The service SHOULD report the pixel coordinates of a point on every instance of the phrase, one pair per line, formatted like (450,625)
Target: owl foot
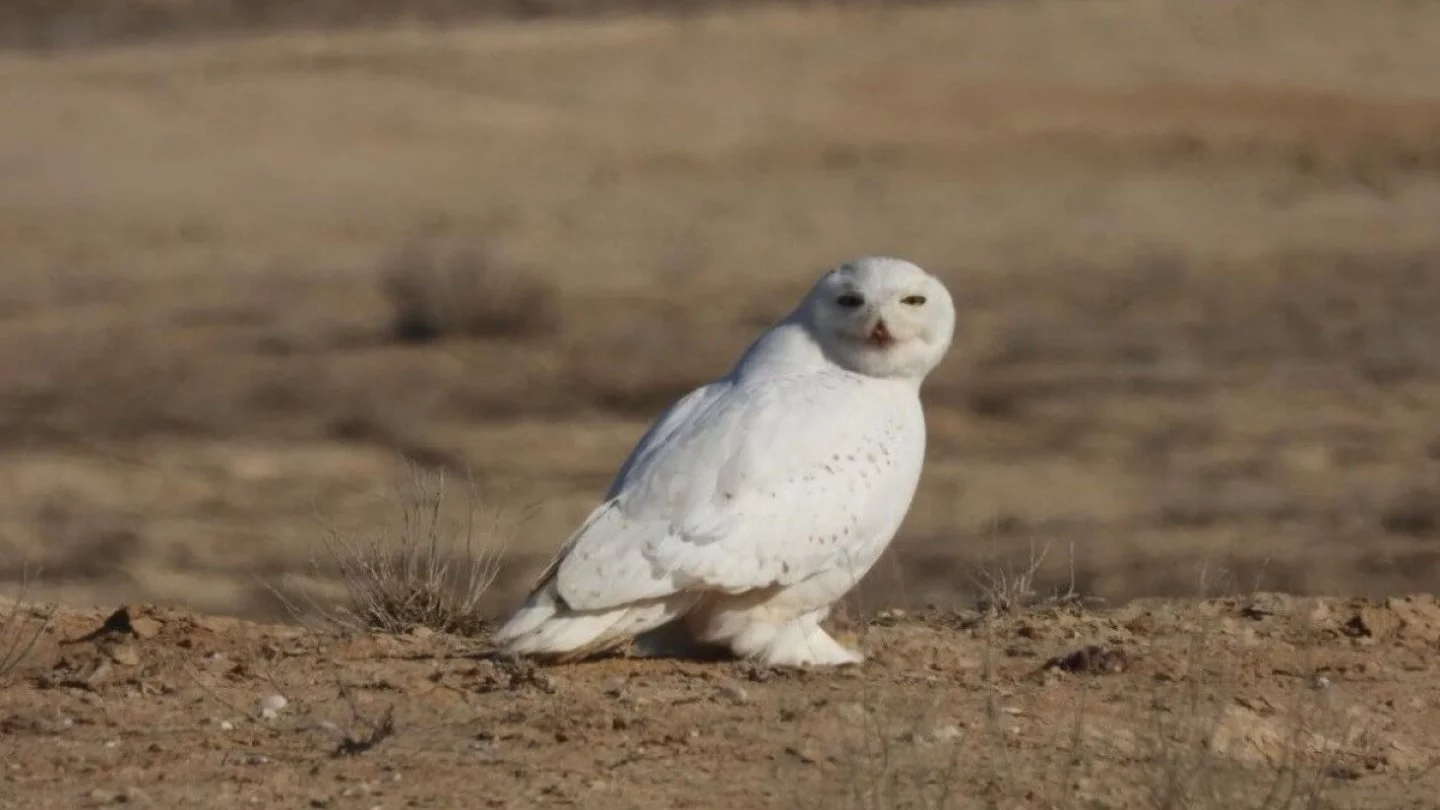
(802,644)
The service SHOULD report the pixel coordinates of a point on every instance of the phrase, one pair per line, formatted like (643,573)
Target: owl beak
(880,335)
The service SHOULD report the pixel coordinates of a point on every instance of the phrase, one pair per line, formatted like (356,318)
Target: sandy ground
(1193,246)
(1264,702)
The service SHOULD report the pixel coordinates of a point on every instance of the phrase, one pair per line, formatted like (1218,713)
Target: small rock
(274,703)
(226,725)
(801,754)
(1343,770)
(946,734)
(1320,612)
(733,692)
(212,624)
(938,734)
(99,674)
(1091,660)
(889,617)
(144,627)
(1406,757)
(1259,609)
(1373,622)
(128,620)
(125,655)
(759,674)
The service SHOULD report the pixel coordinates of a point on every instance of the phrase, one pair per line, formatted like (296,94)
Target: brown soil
(1268,701)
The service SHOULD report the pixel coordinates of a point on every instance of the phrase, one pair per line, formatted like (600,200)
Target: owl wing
(740,487)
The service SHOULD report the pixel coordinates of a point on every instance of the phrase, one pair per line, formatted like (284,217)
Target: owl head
(881,317)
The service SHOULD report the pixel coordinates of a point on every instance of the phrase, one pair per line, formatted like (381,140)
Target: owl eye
(850,300)
(913,300)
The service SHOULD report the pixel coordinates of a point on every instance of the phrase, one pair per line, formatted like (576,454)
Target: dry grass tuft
(433,574)
(1004,588)
(435,294)
(21,627)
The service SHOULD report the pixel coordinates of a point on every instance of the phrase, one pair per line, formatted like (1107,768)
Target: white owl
(758,500)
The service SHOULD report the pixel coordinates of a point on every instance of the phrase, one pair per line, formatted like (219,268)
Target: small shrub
(1414,513)
(435,295)
(433,574)
(1004,589)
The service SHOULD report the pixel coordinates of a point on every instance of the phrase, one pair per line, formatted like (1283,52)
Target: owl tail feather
(546,627)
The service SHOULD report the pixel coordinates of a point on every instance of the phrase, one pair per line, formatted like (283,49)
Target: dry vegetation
(21,626)
(431,573)
(464,294)
(247,279)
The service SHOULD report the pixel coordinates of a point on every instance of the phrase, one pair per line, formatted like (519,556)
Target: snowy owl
(760,499)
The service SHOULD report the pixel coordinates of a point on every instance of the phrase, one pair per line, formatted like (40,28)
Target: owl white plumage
(757,501)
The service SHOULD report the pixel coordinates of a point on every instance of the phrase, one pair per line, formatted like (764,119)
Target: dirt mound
(1214,704)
